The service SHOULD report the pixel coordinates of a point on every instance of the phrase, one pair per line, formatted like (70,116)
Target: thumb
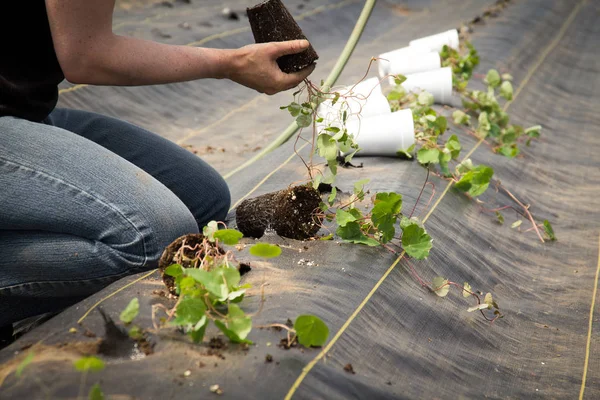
(289,47)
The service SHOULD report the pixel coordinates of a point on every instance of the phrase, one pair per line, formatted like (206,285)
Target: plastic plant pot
(436,42)
(438,82)
(384,135)
(366,99)
(407,60)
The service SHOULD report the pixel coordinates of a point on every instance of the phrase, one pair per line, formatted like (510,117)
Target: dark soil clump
(192,252)
(292,213)
(272,22)
(349,368)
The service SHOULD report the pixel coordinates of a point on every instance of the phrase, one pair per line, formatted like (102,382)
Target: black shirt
(29,70)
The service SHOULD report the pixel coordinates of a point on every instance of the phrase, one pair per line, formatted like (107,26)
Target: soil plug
(187,257)
(292,213)
(272,22)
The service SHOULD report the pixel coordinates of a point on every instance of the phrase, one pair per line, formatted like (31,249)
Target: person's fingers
(293,79)
(289,47)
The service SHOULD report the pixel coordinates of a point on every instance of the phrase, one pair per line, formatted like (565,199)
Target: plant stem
(526,211)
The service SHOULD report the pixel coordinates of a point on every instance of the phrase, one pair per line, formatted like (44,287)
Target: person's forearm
(125,61)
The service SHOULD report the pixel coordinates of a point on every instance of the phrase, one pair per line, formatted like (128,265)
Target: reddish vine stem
(526,211)
(420,194)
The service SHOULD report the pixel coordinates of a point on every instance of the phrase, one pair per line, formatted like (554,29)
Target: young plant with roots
(386,225)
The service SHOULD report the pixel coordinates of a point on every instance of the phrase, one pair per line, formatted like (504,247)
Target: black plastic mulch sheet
(401,340)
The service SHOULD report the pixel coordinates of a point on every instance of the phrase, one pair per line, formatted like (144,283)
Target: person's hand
(255,66)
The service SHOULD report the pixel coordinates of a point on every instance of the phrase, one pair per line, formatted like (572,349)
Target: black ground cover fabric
(402,341)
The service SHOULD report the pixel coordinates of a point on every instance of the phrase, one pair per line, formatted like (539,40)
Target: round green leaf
(90,363)
(311,331)
(228,236)
(440,286)
(265,250)
(131,311)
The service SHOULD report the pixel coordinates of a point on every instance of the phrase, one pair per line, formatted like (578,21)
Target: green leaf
(461,118)
(549,231)
(294,109)
(425,99)
(210,229)
(464,167)
(189,311)
(135,333)
(328,237)
(327,147)
(228,236)
(343,217)
(197,332)
(445,157)
(265,250)
(96,393)
(23,364)
(500,217)
(238,325)
(440,286)
(359,187)
(516,224)
(384,213)
(229,276)
(311,331)
(212,282)
(476,181)
(484,124)
(351,233)
(399,79)
(509,151)
(492,78)
(534,131)
(441,124)
(467,290)
(415,241)
(405,221)
(90,363)
(131,311)
(506,90)
(236,295)
(426,156)
(406,153)
(453,144)
(174,270)
(488,300)
(304,120)
(332,195)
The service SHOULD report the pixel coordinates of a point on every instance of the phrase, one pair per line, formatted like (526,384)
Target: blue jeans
(85,200)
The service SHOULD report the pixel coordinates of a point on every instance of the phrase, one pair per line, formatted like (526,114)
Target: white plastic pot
(438,82)
(407,60)
(436,42)
(384,135)
(365,100)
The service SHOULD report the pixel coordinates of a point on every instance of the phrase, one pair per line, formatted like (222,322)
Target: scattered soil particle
(89,333)
(348,368)
(269,358)
(272,22)
(289,323)
(284,344)
(216,343)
